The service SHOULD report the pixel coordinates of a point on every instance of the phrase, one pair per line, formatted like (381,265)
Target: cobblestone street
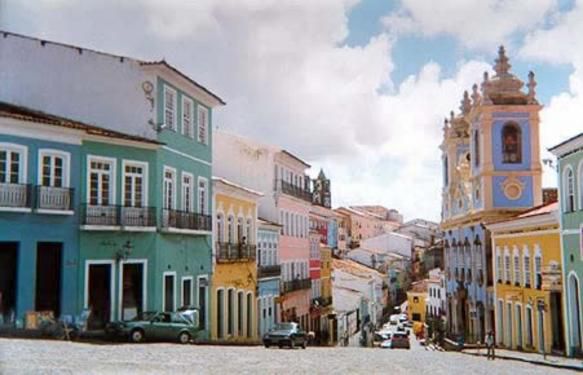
(38,356)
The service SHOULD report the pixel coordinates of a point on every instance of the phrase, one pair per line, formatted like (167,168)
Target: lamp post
(124,252)
(541,306)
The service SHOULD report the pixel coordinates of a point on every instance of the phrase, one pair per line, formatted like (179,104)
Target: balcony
(322,301)
(230,252)
(297,284)
(268,271)
(185,221)
(15,197)
(49,198)
(115,216)
(295,191)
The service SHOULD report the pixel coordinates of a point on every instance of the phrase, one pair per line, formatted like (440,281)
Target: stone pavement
(534,358)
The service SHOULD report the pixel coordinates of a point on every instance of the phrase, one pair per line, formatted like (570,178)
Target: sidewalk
(534,358)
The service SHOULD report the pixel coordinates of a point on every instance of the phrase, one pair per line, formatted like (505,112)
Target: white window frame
(205,181)
(192,286)
(199,111)
(527,270)
(144,165)
(66,156)
(507,266)
(173,125)
(537,255)
(112,179)
(23,151)
(580,183)
(164,197)
(567,185)
(516,266)
(208,307)
(164,274)
(88,264)
(183,194)
(187,129)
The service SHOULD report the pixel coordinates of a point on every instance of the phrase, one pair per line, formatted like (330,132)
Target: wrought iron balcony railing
(297,284)
(268,271)
(15,195)
(295,191)
(115,215)
(233,252)
(185,220)
(54,198)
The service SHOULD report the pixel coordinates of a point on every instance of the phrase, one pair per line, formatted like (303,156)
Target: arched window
(220,228)
(511,144)
(517,273)
(580,181)
(230,228)
(569,189)
(507,277)
(249,231)
(476,148)
(499,265)
(240,230)
(445,172)
(526,263)
(538,261)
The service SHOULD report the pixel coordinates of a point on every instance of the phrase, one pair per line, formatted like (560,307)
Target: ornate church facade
(491,170)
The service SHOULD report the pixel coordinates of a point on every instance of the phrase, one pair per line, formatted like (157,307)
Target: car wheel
(266,346)
(137,335)
(184,337)
(280,345)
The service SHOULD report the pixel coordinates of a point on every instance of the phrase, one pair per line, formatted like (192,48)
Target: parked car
(397,340)
(158,326)
(382,335)
(286,334)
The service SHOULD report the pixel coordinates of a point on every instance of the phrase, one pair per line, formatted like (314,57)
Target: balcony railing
(114,215)
(54,198)
(185,220)
(297,284)
(15,195)
(322,301)
(295,191)
(268,271)
(230,252)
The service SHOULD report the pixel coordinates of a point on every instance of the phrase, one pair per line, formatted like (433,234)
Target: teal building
(570,167)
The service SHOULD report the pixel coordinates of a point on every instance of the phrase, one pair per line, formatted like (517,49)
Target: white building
(389,243)
(436,300)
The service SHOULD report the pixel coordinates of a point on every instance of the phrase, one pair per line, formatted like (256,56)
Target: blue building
(268,274)
(491,170)
(40,166)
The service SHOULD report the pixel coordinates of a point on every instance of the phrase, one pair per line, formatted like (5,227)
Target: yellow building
(526,256)
(234,281)
(326,293)
(416,297)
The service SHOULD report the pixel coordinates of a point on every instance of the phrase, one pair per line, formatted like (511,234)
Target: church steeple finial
(475,95)
(502,66)
(531,95)
(465,104)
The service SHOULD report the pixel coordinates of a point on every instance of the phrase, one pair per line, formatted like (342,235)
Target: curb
(534,362)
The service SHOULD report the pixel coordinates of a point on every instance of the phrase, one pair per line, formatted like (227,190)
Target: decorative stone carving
(465,104)
(148,88)
(512,188)
(485,96)
(475,95)
(531,95)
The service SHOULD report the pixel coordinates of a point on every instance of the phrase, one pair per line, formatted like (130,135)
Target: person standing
(489,340)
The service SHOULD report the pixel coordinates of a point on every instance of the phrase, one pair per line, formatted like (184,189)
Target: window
(134,184)
(202,124)
(12,164)
(500,266)
(526,261)
(240,311)
(220,228)
(170,107)
(580,181)
(517,275)
(220,312)
(169,188)
(569,189)
(445,171)
(101,181)
(230,312)
(476,148)
(169,287)
(187,192)
(202,195)
(507,277)
(538,278)
(187,123)
(54,168)
(511,144)
(249,231)
(230,228)
(240,230)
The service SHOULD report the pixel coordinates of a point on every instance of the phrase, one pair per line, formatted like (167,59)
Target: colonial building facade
(491,170)
(570,168)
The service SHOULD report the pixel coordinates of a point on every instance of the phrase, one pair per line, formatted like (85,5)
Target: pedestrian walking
(489,340)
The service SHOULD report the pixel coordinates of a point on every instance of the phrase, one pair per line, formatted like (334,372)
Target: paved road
(58,357)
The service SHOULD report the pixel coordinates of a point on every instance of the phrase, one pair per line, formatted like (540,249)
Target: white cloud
(288,79)
(562,43)
(480,24)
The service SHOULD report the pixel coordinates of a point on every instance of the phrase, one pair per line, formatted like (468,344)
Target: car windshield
(284,327)
(147,315)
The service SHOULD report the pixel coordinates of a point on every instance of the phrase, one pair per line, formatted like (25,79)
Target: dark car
(181,326)
(399,340)
(286,334)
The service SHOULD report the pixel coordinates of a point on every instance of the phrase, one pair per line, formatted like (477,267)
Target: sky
(357,87)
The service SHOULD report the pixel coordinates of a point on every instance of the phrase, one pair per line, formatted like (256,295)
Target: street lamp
(124,252)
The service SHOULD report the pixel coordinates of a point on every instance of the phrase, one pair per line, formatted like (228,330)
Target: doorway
(48,277)
(99,294)
(132,299)
(8,266)
(574,306)
(169,291)
(557,322)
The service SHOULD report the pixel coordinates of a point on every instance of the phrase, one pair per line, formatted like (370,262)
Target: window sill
(16,209)
(193,232)
(102,228)
(54,212)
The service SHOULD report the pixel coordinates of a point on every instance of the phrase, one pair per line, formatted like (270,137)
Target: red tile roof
(28,114)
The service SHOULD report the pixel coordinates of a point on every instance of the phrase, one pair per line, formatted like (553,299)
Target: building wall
(30,228)
(523,295)
(416,306)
